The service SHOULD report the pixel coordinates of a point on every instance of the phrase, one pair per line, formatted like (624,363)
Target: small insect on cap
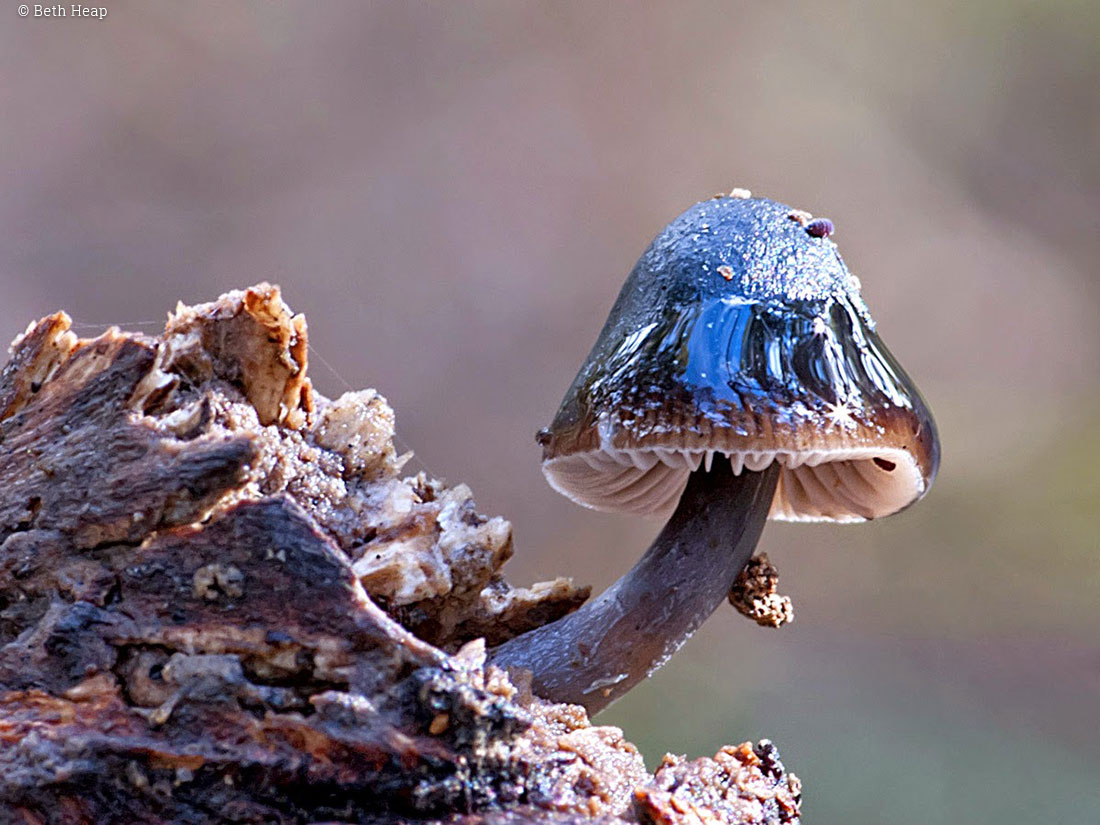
(741,336)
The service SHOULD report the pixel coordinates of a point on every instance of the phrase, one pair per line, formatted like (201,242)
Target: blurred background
(453,194)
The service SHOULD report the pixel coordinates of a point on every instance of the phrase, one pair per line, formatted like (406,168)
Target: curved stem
(593,656)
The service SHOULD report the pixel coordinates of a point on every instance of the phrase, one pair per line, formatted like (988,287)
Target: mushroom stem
(596,654)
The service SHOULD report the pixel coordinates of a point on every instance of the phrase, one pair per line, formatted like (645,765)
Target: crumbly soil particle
(740,784)
(754,594)
(221,601)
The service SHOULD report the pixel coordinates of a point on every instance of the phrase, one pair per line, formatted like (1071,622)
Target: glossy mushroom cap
(741,334)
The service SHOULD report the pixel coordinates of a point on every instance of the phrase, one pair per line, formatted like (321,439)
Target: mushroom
(739,377)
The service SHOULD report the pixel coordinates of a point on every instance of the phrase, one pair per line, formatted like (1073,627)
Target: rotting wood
(221,601)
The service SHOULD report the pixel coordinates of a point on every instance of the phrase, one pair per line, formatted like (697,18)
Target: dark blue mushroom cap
(742,335)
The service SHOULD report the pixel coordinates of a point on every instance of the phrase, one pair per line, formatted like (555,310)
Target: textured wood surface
(220,601)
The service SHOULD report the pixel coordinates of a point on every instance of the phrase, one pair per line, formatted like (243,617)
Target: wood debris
(220,601)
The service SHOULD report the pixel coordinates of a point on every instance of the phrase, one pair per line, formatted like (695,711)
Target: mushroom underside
(599,652)
(842,485)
